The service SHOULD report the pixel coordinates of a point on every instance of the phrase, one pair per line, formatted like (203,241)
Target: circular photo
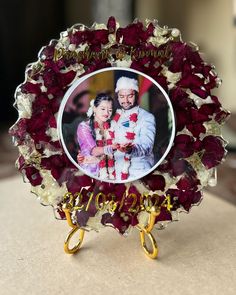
(116,124)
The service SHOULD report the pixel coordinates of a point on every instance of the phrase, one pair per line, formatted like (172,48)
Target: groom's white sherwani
(142,158)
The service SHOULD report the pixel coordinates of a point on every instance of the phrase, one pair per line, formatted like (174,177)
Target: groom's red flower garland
(130,136)
(183,74)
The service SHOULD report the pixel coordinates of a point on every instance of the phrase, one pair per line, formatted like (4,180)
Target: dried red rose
(213,147)
(154,182)
(33,175)
(111,25)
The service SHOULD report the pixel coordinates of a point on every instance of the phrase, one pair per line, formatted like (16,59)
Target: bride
(95,139)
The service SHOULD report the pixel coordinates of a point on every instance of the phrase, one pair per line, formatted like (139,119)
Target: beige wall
(209,23)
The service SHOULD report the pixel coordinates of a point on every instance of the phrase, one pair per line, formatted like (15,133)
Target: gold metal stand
(147,231)
(75,228)
(144,231)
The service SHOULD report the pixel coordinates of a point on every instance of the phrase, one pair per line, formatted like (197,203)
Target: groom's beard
(127,106)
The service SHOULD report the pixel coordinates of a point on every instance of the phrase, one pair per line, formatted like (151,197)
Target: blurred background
(27,25)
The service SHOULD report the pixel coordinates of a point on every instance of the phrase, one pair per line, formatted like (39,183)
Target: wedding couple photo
(117,125)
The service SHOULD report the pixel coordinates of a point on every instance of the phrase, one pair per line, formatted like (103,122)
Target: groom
(134,132)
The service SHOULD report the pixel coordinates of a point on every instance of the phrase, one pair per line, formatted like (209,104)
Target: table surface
(197,254)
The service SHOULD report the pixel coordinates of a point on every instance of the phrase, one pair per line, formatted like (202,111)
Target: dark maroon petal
(221,116)
(116,221)
(37,125)
(185,198)
(183,146)
(199,116)
(59,213)
(179,97)
(164,215)
(52,122)
(178,167)
(200,92)
(50,78)
(51,66)
(80,37)
(20,162)
(208,109)
(82,218)
(48,51)
(33,176)
(134,220)
(163,82)
(215,100)
(150,29)
(99,37)
(111,25)
(58,165)
(40,103)
(196,197)
(132,35)
(183,138)
(212,83)
(165,167)
(133,190)
(75,183)
(155,182)
(29,87)
(19,131)
(66,78)
(182,119)
(191,81)
(197,145)
(106,219)
(214,151)
(187,183)
(40,136)
(54,145)
(178,54)
(196,129)
(193,56)
(56,91)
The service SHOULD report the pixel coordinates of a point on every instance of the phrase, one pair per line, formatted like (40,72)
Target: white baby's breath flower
(170,76)
(197,99)
(126,62)
(143,218)
(49,192)
(52,132)
(112,38)
(159,40)
(24,105)
(48,153)
(43,88)
(97,26)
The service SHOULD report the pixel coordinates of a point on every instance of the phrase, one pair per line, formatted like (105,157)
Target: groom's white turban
(126,83)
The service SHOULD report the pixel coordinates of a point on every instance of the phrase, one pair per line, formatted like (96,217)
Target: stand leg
(147,231)
(152,254)
(75,228)
(76,248)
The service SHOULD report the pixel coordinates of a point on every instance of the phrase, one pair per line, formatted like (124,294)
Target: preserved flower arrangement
(176,184)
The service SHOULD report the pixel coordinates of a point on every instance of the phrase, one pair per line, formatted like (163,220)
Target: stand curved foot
(76,248)
(146,230)
(150,253)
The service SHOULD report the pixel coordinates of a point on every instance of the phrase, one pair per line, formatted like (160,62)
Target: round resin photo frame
(148,124)
(54,148)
